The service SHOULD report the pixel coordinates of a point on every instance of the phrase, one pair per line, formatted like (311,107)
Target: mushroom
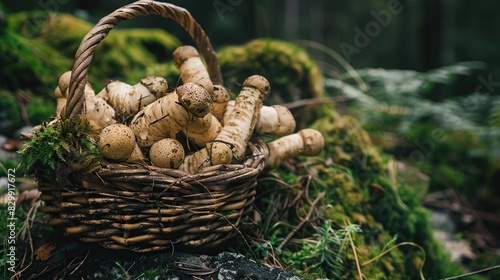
(96,108)
(276,120)
(167,153)
(136,155)
(307,142)
(130,99)
(61,91)
(116,142)
(169,114)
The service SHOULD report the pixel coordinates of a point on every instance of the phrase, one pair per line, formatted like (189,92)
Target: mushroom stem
(168,115)
(307,142)
(128,99)
(276,120)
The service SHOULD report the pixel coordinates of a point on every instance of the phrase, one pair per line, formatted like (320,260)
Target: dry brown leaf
(43,252)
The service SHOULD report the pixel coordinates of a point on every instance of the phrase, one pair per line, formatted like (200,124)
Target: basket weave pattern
(141,207)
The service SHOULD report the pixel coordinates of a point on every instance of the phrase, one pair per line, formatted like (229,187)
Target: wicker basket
(144,208)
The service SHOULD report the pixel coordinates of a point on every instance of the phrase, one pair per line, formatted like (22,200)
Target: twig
(22,98)
(358,267)
(472,273)
(80,264)
(303,221)
(274,262)
(194,270)
(463,200)
(486,216)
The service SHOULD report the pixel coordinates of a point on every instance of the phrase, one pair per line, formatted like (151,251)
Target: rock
(100,263)
(224,266)
(25,129)
(443,221)
(6,122)
(3,184)
(5,154)
(460,250)
(233,266)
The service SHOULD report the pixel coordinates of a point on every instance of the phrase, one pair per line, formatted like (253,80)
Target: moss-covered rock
(27,65)
(119,56)
(289,68)
(360,207)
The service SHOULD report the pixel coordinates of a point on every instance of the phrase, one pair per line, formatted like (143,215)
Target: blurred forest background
(422,77)
(422,35)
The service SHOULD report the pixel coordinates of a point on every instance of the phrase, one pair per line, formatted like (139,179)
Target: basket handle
(85,52)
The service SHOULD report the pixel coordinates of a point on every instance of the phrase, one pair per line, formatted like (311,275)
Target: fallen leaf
(43,252)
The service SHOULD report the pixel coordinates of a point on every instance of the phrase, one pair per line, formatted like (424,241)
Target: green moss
(154,272)
(393,239)
(60,150)
(119,56)
(306,275)
(29,65)
(390,211)
(291,71)
(62,31)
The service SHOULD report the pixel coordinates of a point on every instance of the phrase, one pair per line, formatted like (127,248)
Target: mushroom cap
(220,153)
(313,141)
(195,99)
(58,93)
(220,94)
(167,153)
(260,83)
(116,142)
(158,86)
(182,53)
